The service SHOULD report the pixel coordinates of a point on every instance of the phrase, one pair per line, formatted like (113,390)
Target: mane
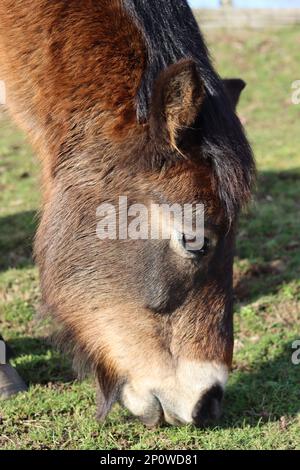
(171,33)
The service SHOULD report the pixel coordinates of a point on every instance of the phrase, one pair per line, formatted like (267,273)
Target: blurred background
(246,13)
(246,3)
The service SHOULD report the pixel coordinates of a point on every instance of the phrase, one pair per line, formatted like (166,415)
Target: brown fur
(94,75)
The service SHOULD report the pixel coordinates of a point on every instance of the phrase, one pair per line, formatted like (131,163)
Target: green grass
(263,397)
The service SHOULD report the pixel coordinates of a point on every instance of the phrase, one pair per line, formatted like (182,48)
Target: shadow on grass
(38,362)
(264,394)
(269,237)
(16,238)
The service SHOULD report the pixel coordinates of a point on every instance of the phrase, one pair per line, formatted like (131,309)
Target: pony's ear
(176,101)
(234,88)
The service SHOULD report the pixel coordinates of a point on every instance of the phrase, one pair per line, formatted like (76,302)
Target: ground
(263,398)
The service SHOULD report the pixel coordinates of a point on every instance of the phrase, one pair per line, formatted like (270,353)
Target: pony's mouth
(206,411)
(181,399)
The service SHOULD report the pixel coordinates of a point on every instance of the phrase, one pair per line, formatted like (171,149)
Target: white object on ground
(10,382)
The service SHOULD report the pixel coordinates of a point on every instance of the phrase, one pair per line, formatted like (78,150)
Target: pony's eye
(191,246)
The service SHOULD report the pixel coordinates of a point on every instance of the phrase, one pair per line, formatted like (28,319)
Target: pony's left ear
(176,101)
(234,88)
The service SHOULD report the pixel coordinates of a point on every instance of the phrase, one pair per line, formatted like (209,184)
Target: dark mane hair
(171,33)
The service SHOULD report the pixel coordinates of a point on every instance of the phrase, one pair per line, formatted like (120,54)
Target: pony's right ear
(234,88)
(176,102)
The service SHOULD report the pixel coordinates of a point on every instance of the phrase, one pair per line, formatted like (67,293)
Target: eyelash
(201,252)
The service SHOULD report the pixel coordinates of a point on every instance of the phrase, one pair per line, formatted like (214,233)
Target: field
(263,397)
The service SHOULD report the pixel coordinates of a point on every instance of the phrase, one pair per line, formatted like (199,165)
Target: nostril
(208,408)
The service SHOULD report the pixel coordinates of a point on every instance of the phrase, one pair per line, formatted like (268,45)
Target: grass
(263,397)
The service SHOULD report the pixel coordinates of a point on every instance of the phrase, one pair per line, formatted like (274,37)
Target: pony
(120,98)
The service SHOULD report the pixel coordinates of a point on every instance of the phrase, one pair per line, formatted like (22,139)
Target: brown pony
(119,98)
